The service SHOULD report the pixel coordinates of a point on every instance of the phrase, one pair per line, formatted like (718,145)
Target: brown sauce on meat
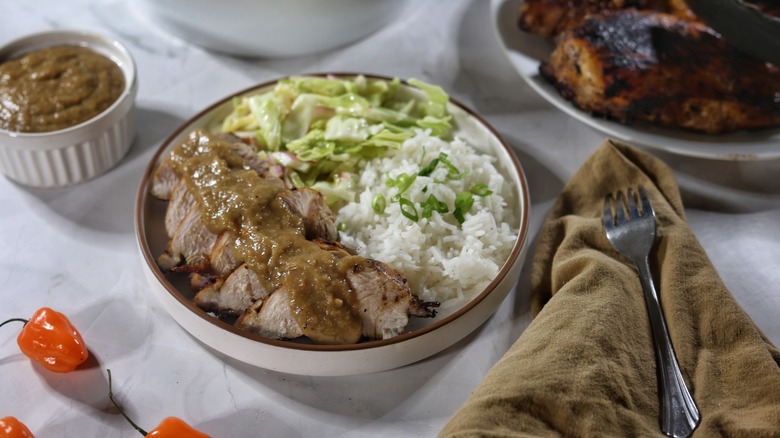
(56,88)
(271,240)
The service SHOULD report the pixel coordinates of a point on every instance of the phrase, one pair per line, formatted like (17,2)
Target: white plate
(525,51)
(425,336)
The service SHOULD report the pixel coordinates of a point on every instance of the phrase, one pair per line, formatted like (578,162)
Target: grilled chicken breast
(319,222)
(272,318)
(549,18)
(229,288)
(233,296)
(384,303)
(646,66)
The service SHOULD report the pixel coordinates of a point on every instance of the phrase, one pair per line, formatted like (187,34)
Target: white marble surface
(74,249)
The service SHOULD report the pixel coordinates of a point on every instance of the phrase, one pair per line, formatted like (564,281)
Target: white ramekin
(80,152)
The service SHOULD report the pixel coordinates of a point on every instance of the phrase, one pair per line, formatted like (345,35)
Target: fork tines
(626,204)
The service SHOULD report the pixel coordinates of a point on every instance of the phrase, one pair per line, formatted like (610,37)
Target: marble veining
(74,249)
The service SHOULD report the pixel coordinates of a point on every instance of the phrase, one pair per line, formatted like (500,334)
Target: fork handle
(679,414)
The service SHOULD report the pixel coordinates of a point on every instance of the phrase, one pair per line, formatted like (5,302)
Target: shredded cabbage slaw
(319,128)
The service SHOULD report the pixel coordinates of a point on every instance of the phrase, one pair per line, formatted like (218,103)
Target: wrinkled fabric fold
(585,366)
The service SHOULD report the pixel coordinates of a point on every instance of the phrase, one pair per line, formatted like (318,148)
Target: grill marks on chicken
(384,299)
(273,285)
(651,67)
(653,61)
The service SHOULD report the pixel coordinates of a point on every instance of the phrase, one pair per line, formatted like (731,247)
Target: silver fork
(633,235)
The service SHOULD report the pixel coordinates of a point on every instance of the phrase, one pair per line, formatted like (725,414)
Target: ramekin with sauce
(82,122)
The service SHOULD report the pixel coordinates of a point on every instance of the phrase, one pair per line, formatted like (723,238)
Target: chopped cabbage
(319,128)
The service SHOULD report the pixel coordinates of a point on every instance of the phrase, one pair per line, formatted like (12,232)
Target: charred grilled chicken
(645,66)
(548,18)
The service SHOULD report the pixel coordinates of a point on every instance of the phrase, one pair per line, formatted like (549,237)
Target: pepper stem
(14,320)
(121,411)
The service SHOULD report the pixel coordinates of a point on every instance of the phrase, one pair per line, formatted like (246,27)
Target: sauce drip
(271,237)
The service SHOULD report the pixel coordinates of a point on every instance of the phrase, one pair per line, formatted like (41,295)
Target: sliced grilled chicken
(272,317)
(644,66)
(223,262)
(384,298)
(252,161)
(240,291)
(164,180)
(228,288)
(333,247)
(377,286)
(191,237)
(318,219)
(181,202)
(191,243)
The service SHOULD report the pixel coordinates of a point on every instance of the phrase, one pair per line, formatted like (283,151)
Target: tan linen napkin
(585,366)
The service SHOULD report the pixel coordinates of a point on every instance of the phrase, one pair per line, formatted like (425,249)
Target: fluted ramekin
(80,152)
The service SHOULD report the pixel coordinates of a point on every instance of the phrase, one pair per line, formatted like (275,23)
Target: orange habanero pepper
(173,427)
(50,339)
(10,427)
(170,427)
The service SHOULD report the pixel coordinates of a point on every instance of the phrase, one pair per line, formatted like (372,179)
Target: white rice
(442,259)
